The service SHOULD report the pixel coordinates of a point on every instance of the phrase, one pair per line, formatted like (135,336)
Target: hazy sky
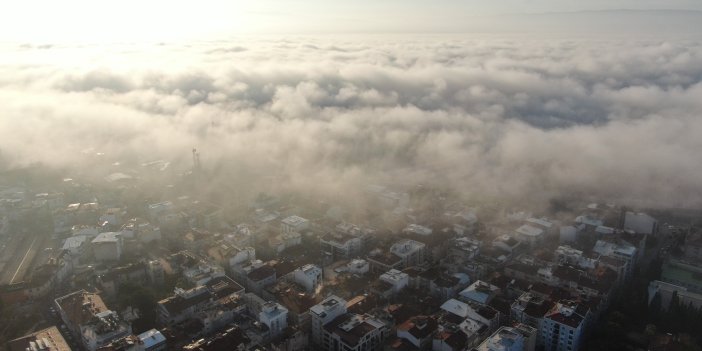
(132,20)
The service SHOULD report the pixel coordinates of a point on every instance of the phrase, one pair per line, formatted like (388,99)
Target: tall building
(563,326)
(323,313)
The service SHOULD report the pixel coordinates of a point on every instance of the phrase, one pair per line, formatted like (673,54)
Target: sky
(161,20)
(521,101)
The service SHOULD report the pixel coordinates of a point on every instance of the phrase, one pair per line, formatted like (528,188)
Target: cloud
(515,120)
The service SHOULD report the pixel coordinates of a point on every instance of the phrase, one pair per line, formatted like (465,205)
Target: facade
(411,252)
(323,313)
(309,276)
(294,224)
(340,245)
(275,316)
(563,326)
(45,339)
(353,332)
(504,339)
(397,279)
(153,340)
(107,246)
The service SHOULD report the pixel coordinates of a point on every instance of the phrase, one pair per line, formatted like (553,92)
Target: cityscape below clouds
(351,176)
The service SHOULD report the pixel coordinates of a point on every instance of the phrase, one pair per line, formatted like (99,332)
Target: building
(323,313)
(530,235)
(340,245)
(418,331)
(183,304)
(309,276)
(411,252)
(107,246)
(665,292)
(294,224)
(86,316)
(563,327)
(480,292)
(621,250)
(357,266)
(153,340)
(397,279)
(504,339)
(640,223)
(275,316)
(683,274)
(417,230)
(353,332)
(49,339)
(259,276)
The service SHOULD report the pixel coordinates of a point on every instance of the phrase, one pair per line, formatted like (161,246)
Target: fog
(508,118)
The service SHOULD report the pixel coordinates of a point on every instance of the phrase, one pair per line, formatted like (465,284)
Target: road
(17,257)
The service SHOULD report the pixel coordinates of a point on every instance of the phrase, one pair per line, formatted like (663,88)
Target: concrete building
(357,266)
(563,327)
(411,252)
(294,224)
(397,279)
(640,223)
(275,316)
(480,292)
(340,245)
(417,230)
(153,340)
(665,292)
(504,339)
(530,235)
(353,332)
(309,276)
(49,339)
(323,313)
(183,304)
(86,316)
(107,246)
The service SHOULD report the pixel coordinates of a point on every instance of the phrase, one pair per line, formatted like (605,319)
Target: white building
(410,251)
(353,332)
(640,223)
(504,339)
(358,266)
(418,230)
(339,244)
(309,276)
(153,340)
(75,245)
(621,250)
(107,246)
(530,235)
(480,292)
(397,279)
(321,314)
(294,224)
(563,327)
(275,316)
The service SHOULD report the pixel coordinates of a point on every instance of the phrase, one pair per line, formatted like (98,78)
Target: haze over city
(305,118)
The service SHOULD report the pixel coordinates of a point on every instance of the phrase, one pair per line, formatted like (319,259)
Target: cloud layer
(512,119)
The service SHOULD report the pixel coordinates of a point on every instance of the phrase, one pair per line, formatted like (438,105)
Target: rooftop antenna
(196,160)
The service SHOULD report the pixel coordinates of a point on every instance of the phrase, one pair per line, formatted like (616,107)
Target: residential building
(323,313)
(353,332)
(480,292)
(340,245)
(49,339)
(153,340)
(275,316)
(294,224)
(640,223)
(309,276)
(504,339)
(107,246)
(563,327)
(418,331)
(411,252)
(183,304)
(397,279)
